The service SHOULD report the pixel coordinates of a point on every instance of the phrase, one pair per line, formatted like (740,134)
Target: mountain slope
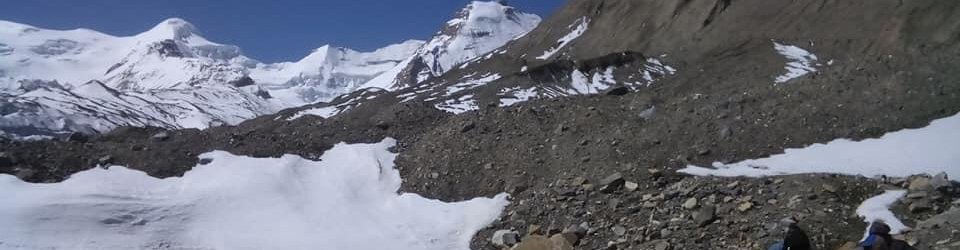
(475,30)
(173,63)
(611,92)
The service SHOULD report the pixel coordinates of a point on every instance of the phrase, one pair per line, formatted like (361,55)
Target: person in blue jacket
(795,238)
(879,238)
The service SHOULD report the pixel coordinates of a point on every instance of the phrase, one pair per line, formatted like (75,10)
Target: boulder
(612,183)
(746,206)
(920,184)
(920,206)
(534,242)
(705,216)
(469,126)
(504,238)
(162,136)
(630,186)
(690,203)
(617,91)
(560,242)
(78,137)
(940,181)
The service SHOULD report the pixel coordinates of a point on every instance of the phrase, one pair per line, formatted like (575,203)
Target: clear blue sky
(268,30)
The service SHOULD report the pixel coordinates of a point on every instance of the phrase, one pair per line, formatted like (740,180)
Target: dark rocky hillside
(882,66)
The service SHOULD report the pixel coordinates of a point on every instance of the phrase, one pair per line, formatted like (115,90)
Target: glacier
(347,200)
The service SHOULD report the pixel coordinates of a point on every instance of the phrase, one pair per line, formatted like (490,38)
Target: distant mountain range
(54,82)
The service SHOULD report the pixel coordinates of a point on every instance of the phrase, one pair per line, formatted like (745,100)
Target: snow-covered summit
(477,29)
(173,68)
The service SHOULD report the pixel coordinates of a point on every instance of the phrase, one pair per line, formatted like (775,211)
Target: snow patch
(472,83)
(516,95)
(929,150)
(347,200)
(877,208)
(581,26)
(583,85)
(459,105)
(325,112)
(799,62)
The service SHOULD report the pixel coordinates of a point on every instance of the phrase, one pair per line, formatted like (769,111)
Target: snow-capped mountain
(329,72)
(171,76)
(476,30)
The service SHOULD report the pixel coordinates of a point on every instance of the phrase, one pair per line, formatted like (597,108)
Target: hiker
(795,239)
(879,238)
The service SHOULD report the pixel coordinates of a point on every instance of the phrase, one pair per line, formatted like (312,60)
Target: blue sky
(271,31)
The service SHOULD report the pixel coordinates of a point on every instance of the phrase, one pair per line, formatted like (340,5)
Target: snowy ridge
(238,202)
(577,30)
(454,97)
(169,76)
(329,72)
(94,107)
(478,29)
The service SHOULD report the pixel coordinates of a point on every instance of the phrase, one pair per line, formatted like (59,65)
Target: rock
(504,238)
(940,181)
(617,91)
(6,160)
(917,195)
(570,237)
(612,183)
(690,203)
(578,181)
(743,207)
(534,229)
(705,216)
(383,125)
(24,174)
(665,233)
(920,206)
(205,161)
(78,137)
(661,245)
(560,242)
(105,160)
(631,186)
(920,184)
(619,231)
(434,175)
(830,188)
(162,136)
(469,126)
(578,230)
(534,242)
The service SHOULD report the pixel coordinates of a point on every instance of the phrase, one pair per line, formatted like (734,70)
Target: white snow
(878,208)
(325,112)
(476,31)
(582,85)
(471,83)
(581,27)
(347,200)
(517,95)
(929,150)
(799,62)
(459,105)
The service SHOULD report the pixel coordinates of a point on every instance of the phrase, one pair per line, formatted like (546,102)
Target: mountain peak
(173,28)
